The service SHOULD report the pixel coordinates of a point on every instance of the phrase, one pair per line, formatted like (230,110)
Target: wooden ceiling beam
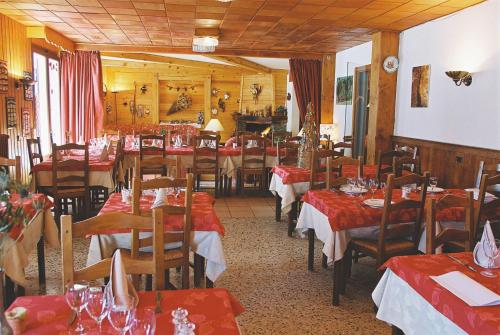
(166,60)
(243,63)
(189,51)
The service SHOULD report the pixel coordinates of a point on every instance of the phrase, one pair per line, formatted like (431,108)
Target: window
(47,100)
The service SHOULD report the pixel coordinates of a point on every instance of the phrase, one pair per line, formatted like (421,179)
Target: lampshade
(214,125)
(329,129)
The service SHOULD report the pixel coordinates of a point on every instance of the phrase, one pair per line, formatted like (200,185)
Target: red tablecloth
(94,163)
(213,311)
(292,174)
(188,150)
(416,271)
(347,212)
(203,214)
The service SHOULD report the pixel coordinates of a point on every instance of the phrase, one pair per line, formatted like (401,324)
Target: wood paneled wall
(15,48)
(455,165)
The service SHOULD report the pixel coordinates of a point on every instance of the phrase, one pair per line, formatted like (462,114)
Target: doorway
(360,110)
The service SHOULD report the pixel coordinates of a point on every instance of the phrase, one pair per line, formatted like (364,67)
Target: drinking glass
(76,295)
(382,187)
(121,315)
(98,305)
(361,183)
(433,181)
(492,252)
(351,182)
(145,322)
(373,184)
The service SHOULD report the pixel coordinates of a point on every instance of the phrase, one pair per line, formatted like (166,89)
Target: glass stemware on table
(145,322)
(122,314)
(373,185)
(492,252)
(98,304)
(76,296)
(433,181)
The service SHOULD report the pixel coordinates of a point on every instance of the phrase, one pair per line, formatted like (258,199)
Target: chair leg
(291,217)
(277,216)
(396,331)
(149,282)
(310,254)
(324,261)
(41,261)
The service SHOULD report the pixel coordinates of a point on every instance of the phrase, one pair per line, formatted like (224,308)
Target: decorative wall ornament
(420,86)
(10,107)
(214,111)
(184,101)
(344,90)
(256,90)
(201,118)
(215,92)
(4,78)
(222,105)
(28,84)
(26,120)
(227,96)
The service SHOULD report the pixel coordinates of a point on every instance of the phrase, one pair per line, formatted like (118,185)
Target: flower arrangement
(12,216)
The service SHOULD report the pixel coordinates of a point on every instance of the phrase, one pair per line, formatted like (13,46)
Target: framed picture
(26,119)
(344,90)
(4,77)
(10,108)
(420,86)
(28,89)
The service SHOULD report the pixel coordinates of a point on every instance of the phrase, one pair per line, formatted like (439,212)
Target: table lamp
(214,125)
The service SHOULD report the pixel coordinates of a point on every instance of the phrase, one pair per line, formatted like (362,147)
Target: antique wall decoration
(201,118)
(344,90)
(26,120)
(28,84)
(256,90)
(227,96)
(10,107)
(184,101)
(222,105)
(215,92)
(4,78)
(420,86)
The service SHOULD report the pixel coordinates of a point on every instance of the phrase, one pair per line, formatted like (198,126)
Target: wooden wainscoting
(454,165)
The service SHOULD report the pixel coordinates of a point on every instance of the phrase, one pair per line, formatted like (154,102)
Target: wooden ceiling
(248,27)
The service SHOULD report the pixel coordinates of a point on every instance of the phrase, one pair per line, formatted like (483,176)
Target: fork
(158,309)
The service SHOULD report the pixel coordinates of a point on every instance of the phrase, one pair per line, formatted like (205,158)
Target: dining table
(408,298)
(207,231)
(333,216)
(213,311)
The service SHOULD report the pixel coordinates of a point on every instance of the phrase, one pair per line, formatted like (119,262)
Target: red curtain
(81,94)
(306,77)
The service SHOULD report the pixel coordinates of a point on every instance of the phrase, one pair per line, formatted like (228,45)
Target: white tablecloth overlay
(400,305)
(287,192)
(17,253)
(205,243)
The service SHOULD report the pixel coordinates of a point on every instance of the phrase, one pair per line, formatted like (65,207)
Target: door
(360,109)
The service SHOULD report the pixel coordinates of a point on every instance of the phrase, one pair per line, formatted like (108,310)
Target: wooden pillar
(327,87)
(382,95)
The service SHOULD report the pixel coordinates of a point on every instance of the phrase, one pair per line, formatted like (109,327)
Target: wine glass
(382,187)
(121,315)
(433,181)
(76,295)
(351,182)
(145,322)
(373,184)
(99,303)
(492,252)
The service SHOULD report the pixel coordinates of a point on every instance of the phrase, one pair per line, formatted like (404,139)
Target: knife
(158,309)
(461,263)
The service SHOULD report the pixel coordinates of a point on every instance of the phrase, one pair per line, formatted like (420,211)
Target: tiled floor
(245,207)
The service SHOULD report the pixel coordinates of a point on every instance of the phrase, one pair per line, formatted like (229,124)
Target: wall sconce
(144,89)
(24,82)
(460,77)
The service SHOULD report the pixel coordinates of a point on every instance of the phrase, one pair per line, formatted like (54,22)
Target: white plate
(353,190)
(375,203)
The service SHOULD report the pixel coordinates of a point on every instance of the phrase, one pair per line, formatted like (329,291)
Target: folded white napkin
(202,144)
(252,144)
(126,193)
(104,155)
(119,284)
(161,193)
(467,289)
(485,247)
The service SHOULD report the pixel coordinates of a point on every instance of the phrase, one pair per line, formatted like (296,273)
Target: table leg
(324,261)
(337,280)
(278,208)
(209,283)
(41,261)
(197,270)
(9,291)
(310,254)
(396,331)
(292,215)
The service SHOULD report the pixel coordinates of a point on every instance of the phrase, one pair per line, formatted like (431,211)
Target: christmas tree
(310,140)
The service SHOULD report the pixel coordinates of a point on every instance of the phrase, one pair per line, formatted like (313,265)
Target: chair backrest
(489,168)
(164,163)
(206,153)
(240,134)
(318,168)
(253,157)
(80,177)
(409,151)
(339,162)
(396,230)
(287,152)
(406,163)
(151,145)
(112,222)
(15,163)
(486,208)
(385,163)
(35,157)
(280,136)
(447,235)
(339,148)
(209,132)
(331,180)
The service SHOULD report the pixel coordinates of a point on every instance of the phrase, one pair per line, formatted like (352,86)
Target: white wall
(468,40)
(345,64)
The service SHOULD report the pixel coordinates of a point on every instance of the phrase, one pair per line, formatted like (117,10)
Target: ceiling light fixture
(205,39)
(460,77)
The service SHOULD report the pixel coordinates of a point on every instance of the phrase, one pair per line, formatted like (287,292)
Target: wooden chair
(168,164)
(15,163)
(153,265)
(409,151)
(395,238)
(118,166)
(74,185)
(489,209)
(339,148)
(148,146)
(240,134)
(279,136)
(406,163)
(486,168)
(206,159)
(209,133)
(287,153)
(178,257)
(385,162)
(450,238)
(318,168)
(253,162)
(339,162)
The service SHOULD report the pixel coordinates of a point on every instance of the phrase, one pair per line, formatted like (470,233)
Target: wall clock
(391,64)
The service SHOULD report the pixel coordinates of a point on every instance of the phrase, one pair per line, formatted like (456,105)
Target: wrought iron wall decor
(28,86)
(4,78)
(10,107)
